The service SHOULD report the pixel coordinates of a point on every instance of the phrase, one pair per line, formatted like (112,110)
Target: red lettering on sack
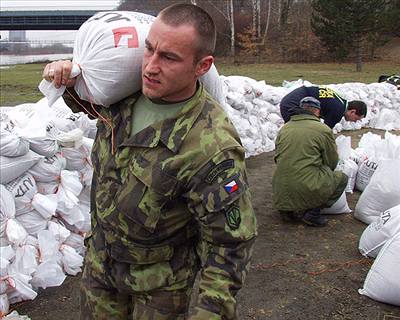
(130,32)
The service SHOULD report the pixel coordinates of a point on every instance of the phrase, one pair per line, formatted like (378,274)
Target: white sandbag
(18,287)
(76,241)
(109,49)
(365,172)
(10,229)
(16,316)
(7,253)
(378,232)
(213,85)
(26,259)
(11,144)
(343,147)
(48,274)
(61,234)
(78,158)
(68,190)
(48,169)
(340,206)
(4,305)
(71,260)
(32,221)
(66,120)
(381,193)
(383,281)
(23,189)
(12,168)
(46,146)
(350,169)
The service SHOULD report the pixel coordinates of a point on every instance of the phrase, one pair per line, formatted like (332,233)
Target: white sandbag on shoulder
(365,172)
(378,232)
(381,193)
(12,168)
(383,281)
(109,50)
(340,206)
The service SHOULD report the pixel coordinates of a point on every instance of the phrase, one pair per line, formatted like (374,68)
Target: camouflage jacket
(178,178)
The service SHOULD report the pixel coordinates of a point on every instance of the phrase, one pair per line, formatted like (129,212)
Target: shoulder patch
(218,169)
(233,217)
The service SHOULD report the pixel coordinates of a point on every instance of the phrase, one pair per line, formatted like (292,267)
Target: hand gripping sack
(109,50)
(383,281)
(378,232)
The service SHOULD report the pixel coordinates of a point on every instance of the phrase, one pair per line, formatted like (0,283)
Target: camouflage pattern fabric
(171,200)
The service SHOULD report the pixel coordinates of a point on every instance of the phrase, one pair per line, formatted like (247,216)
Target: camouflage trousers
(116,290)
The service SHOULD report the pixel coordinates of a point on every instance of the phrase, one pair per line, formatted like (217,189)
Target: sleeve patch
(218,169)
(233,217)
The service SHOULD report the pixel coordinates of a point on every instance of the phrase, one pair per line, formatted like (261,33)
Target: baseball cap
(310,101)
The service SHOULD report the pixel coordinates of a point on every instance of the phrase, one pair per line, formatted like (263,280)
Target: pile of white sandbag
(379,205)
(45,174)
(381,239)
(253,107)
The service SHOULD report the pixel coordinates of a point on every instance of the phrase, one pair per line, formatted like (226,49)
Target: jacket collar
(304,116)
(171,132)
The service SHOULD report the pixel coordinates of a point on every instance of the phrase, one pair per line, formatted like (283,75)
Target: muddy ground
(298,272)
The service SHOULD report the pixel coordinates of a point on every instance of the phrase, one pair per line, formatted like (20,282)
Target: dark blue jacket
(333,106)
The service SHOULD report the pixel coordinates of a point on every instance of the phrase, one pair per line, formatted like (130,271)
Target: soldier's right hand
(59,72)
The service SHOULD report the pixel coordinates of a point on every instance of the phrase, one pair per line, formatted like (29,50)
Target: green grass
(318,73)
(18,84)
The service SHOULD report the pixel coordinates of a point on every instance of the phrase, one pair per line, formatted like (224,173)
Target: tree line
(295,30)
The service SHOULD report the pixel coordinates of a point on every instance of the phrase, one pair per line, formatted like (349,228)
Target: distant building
(17,36)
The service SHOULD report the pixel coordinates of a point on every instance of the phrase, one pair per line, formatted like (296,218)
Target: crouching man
(306,156)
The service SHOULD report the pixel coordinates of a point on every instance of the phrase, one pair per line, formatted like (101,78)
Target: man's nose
(152,64)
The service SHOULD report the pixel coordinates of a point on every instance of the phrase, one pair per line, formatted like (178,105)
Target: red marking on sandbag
(133,41)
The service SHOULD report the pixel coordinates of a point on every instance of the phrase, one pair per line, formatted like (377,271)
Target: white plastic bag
(378,232)
(381,193)
(383,281)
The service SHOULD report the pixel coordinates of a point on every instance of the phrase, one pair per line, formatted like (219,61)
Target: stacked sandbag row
(253,107)
(374,168)
(44,197)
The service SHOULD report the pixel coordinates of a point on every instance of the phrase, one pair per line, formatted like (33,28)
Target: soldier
(169,191)
(306,156)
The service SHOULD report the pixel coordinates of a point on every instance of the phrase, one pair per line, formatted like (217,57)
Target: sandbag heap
(45,174)
(253,107)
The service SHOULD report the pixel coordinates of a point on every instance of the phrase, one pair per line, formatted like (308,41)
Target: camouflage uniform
(171,200)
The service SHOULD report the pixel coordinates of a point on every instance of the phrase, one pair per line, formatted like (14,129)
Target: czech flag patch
(231,187)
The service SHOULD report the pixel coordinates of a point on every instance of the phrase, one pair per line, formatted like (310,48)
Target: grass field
(18,84)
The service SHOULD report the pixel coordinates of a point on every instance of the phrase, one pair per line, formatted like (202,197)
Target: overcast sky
(19,5)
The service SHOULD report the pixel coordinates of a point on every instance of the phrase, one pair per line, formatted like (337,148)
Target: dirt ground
(298,272)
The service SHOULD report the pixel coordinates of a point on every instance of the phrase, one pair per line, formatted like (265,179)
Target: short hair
(359,106)
(189,14)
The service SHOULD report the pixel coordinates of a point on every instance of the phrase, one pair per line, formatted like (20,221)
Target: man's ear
(204,65)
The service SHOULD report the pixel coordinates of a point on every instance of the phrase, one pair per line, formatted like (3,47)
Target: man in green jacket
(169,192)
(306,157)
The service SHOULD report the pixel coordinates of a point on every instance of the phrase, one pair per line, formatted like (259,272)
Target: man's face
(169,71)
(351,115)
